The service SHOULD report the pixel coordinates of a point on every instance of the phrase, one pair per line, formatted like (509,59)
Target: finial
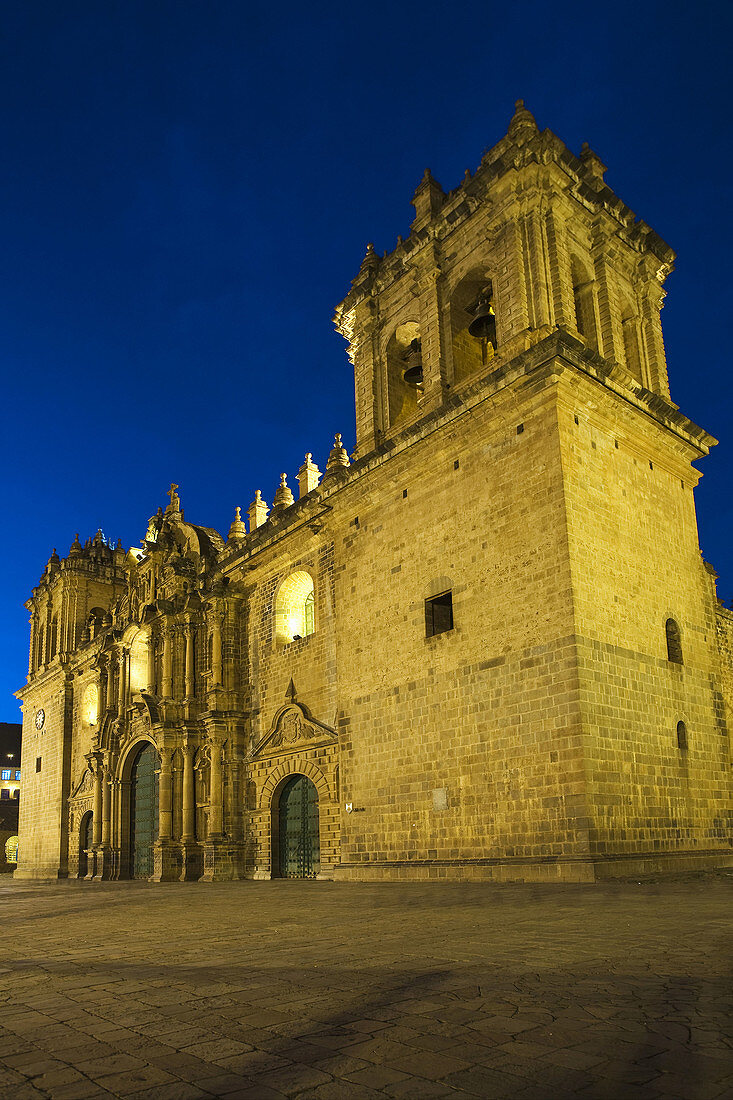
(283,497)
(237,529)
(522,126)
(257,511)
(308,476)
(290,693)
(338,458)
(76,545)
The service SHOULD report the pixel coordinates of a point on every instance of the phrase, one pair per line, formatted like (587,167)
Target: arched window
(674,642)
(53,637)
(295,608)
(682,737)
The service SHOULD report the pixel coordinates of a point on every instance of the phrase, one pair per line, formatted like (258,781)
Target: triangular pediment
(293,728)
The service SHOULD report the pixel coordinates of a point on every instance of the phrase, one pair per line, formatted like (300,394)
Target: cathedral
(484,645)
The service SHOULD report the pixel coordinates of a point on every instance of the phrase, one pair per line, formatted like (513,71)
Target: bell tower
(533,241)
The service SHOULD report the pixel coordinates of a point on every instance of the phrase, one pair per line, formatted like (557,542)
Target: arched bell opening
(296,849)
(584,300)
(86,841)
(473,325)
(404,372)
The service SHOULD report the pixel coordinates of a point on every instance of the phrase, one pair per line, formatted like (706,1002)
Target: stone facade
(487,642)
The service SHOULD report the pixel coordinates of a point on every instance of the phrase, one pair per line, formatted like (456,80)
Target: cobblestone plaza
(319,989)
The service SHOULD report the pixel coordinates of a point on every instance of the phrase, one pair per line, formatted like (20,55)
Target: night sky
(188,189)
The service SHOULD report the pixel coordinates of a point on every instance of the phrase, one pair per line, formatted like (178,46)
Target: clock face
(40,719)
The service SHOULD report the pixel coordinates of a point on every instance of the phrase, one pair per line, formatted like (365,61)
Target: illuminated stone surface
(545,483)
(322,990)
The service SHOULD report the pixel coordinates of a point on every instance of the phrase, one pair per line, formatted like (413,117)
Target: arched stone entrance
(295,825)
(143,811)
(86,840)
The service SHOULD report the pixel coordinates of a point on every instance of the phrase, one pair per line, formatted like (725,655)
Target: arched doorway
(86,840)
(143,811)
(299,846)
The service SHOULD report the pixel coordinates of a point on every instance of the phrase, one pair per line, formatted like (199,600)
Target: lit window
(5,773)
(438,614)
(17,777)
(295,608)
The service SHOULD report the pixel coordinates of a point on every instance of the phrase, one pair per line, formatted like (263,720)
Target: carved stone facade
(451,656)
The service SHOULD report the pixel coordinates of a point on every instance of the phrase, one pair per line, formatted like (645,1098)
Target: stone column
(165,802)
(166,686)
(106,804)
(97,803)
(122,685)
(215,794)
(151,663)
(189,664)
(216,662)
(189,808)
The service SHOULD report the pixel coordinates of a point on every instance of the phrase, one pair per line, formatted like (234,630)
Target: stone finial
(257,512)
(592,163)
(283,497)
(238,529)
(427,200)
(371,259)
(308,476)
(53,562)
(291,694)
(338,458)
(175,502)
(522,126)
(75,547)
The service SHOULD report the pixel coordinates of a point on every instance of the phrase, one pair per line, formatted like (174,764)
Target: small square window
(457,464)
(438,614)
(38,763)
(5,793)
(404,493)
(17,776)
(520,429)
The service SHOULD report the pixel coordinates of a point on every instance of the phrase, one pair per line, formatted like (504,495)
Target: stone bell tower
(533,241)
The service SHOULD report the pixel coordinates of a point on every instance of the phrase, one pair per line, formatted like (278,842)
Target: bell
(483,326)
(413,358)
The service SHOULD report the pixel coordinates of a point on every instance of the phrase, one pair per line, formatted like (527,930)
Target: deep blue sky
(187,189)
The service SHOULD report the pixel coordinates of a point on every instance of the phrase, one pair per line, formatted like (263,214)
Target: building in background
(9,792)
(484,646)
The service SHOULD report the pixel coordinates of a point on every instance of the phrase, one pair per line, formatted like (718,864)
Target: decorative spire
(308,476)
(75,547)
(523,125)
(427,200)
(283,497)
(257,512)
(338,458)
(592,163)
(175,504)
(238,529)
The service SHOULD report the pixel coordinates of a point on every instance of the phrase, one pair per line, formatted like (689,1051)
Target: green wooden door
(86,838)
(299,842)
(143,812)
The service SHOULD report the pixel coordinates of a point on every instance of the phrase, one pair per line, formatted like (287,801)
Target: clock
(40,718)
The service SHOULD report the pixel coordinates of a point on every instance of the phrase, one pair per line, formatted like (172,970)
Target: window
(17,777)
(682,737)
(295,608)
(674,642)
(5,773)
(5,793)
(438,614)
(38,763)
(16,793)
